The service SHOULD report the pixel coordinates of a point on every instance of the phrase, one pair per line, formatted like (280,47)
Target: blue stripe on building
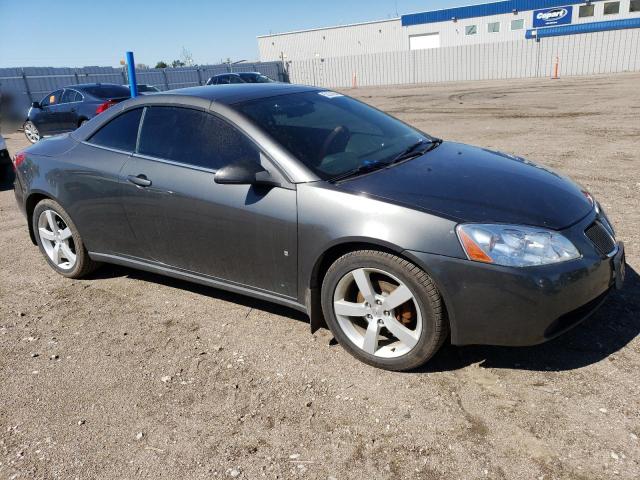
(583,28)
(483,10)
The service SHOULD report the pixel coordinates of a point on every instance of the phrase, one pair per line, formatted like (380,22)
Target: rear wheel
(59,240)
(383,310)
(31,131)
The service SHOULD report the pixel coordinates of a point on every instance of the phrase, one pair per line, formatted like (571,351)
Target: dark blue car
(66,109)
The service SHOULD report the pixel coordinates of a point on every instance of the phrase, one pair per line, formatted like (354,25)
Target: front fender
(328,217)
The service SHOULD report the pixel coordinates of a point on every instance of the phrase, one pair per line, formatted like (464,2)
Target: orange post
(555,69)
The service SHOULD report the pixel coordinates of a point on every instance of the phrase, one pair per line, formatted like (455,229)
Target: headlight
(514,245)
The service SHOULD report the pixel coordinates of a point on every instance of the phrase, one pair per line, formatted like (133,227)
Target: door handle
(140,180)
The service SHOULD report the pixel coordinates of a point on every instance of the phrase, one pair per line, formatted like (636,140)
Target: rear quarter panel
(85,181)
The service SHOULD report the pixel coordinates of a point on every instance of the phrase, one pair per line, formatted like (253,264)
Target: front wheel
(31,131)
(59,240)
(383,310)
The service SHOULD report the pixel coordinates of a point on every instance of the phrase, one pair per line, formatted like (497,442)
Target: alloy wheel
(57,240)
(31,132)
(377,312)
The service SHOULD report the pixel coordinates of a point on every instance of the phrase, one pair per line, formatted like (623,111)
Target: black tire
(82,122)
(435,328)
(84,265)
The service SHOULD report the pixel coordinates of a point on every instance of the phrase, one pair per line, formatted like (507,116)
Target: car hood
(470,184)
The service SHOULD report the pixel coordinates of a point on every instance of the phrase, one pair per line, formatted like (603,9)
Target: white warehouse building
(503,21)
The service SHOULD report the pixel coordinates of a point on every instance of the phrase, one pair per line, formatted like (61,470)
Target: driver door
(46,118)
(243,234)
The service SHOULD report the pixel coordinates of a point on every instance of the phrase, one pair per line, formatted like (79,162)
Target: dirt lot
(129,374)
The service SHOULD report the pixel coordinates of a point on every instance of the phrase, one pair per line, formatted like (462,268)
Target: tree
(161,64)
(186,57)
(177,63)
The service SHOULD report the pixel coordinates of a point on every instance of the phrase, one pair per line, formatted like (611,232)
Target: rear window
(107,91)
(121,133)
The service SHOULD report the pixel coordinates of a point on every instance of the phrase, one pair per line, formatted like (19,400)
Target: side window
(51,99)
(69,96)
(193,137)
(120,133)
(235,79)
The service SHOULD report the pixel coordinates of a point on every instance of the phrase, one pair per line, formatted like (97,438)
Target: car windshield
(107,91)
(330,133)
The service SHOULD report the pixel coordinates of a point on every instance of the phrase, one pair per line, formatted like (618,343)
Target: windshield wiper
(409,152)
(366,168)
(413,151)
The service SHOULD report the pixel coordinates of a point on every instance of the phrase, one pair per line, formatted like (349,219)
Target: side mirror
(35,105)
(244,173)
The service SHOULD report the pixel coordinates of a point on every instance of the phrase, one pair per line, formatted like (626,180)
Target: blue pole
(131,69)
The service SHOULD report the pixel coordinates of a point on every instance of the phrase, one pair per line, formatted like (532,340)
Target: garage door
(422,42)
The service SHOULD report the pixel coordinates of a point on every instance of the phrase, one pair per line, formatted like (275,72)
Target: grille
(602,239)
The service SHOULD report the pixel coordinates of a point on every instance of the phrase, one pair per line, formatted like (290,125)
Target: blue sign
(550,17)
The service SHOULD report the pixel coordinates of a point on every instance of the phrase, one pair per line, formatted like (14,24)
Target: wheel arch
(335,251)
(32,200)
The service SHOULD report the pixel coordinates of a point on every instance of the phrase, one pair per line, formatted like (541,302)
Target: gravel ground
(129,374)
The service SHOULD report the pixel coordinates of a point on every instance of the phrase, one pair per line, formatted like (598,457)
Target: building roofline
(482,10)
(445,14)
(395,19)
(471,5)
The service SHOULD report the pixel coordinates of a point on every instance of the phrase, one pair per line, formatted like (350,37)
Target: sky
(75,33)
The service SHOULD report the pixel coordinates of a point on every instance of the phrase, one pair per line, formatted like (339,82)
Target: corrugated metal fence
(585,54)
(26,85)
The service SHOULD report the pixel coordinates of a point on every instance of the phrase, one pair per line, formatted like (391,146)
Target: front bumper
(495,305)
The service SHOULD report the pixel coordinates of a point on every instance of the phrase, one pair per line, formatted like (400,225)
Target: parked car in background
(314,200)
(225,79)
(255,77)
(144,88)
(67,108)
(240,77)
(6,167)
